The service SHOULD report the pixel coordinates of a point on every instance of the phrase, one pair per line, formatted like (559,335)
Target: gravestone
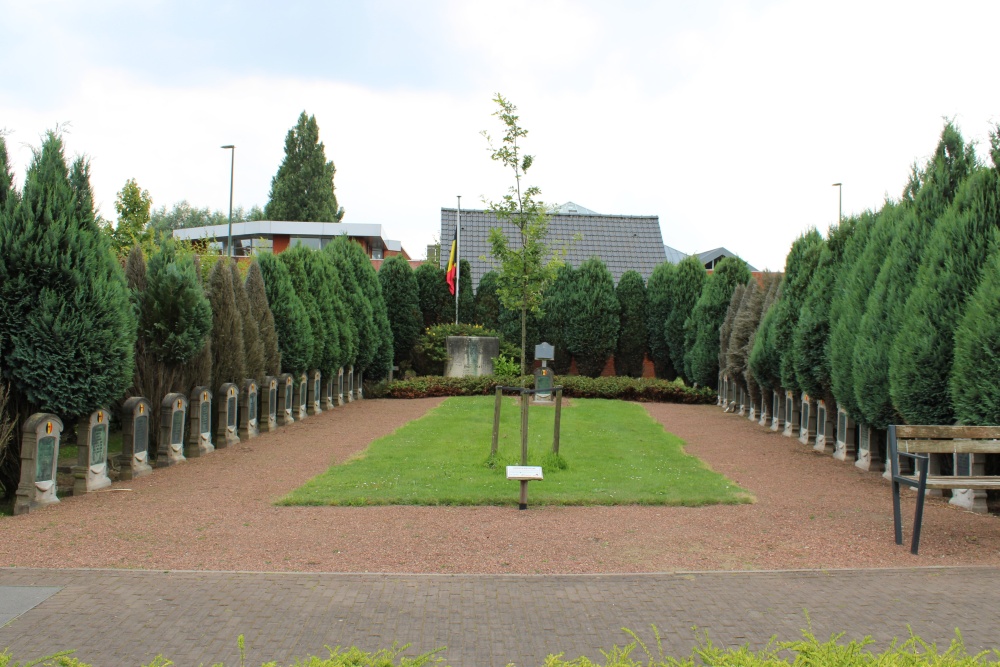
(543,385)
(777,410)
(39,459)
(721,393)
(329,400)
(91,470)
(248,419)
(134,459)
(751,408)
(269,411)
(173,414)
(764,414)
(471,355)
(359,385)
(340,386)
(807,420)
(286,414)
(314,393)
(199,440)
(965,465)
(227,416)
(792,407)
(742,402)
(349,394)
(302,397)
(846,447)
(824,429)
(868,449)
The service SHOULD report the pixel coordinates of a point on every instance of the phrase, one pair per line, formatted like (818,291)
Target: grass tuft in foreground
(611,453)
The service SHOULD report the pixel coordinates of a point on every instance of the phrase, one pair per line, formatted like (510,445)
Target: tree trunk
(524,338)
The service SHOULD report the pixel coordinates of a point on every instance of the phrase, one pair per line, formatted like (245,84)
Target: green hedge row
(574,386)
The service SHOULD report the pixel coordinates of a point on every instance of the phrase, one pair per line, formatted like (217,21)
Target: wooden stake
(496,422)
(555,433)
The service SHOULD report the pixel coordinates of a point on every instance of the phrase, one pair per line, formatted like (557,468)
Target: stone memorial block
(723,391)
(792,408)
(349,380)
(359,385)
(764,414)
(314,394)
(91,470)
(846,447)
(39,459)
(269,411)
(966,465)
(286,415)
(329,400)
(249,422)
(227,416)
(807,420)
(471,355)
(868,448)
(543,385)
(751,409)
(777,410)
(340,387)
(173,414)
(134,459)
(199,440)
(742,402)
(302,397)
(824,429)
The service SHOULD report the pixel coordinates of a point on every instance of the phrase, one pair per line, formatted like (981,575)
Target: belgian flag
(451,274)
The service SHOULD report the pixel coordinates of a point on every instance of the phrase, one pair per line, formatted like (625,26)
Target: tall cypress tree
(707,317)
(436,302)
(291,321)
(975,392)
(593,334)
(402,299)
(342,329)
(364,335)
(228,356)
(466,299)
(297,260)
(683,291)
(253,349)
(921,359)
(744,331)
(764,361)
(263,319)
(8,193)
(659,308)
(726,330)
(800,266)
(558,307)
(633,337)
(487,302)
(303,190)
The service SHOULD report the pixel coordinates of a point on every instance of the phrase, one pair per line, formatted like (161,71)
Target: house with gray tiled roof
(709,258)
(622,242)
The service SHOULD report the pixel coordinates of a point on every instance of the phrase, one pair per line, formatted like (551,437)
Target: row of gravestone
(241,413)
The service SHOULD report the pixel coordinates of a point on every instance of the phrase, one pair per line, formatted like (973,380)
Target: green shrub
(707,317)
(658,310)
(683,291)
(593,331)
(487,303)
(437,304)
(633,338)
(558,307)
(800,267)
(291,321)
(402,300)
(975,389)
(430,353)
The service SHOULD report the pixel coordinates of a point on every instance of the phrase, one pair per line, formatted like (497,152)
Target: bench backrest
(947,439)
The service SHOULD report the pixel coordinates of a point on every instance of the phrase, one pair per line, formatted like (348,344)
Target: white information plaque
(524,472)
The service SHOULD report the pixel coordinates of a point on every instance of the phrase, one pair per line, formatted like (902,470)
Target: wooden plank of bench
(948,446)
(983,432)
(958,482)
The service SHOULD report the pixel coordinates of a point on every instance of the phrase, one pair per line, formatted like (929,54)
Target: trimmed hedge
(645,390)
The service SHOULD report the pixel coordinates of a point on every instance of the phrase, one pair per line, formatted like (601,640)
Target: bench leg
(919,515)
(897,518)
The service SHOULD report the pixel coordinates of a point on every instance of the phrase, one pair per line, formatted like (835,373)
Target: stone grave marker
(134,459)
(340,386)
(543,385)
(173,413)
(329,402)
(269,411)
(199,441)
(846,446)
(302,397)
(314,394)
(227,416)
(777,410)
(868,447)
(39,458)
(742,402)
(359,385)
(792,408)
(824,429)
(807,420)
(286,415)
(764,414)
(966,465)
(91,470)
(350,383)
(249,424)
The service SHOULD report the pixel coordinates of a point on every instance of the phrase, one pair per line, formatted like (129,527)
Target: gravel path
(216,513)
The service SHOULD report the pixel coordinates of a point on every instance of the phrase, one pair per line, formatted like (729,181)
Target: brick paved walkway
(125,617)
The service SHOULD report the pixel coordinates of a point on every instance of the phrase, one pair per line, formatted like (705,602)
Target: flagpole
(458,255)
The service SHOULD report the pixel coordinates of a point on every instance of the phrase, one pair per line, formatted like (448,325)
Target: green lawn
(611,453)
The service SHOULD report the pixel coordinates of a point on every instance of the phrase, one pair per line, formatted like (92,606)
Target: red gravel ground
(216,513)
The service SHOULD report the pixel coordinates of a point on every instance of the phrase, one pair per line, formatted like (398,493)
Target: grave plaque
(134,459)
(752,408)
(350,383)
(868,449)
(824,429)
(543,385)
(764,415)
(227,416)
(269,413)
(340,387)
(39,458)
(743,403)
(286,415)
(302,397)
(91,470)
(329,402)
(199,441)
(807,420)
(791,414)
(777,410)
(359,385)
(966,465)
(248,411)
(173,411)
(313,406)
(846,446)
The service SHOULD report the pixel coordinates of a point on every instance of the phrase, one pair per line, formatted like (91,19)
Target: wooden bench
(918,443)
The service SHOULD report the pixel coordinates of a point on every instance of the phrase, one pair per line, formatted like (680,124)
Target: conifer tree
(658,294)
(297,261)
(558,309)
(706,319)
(253,349)
(263,319)
(764,361)
(8,193)
(487,302)
(975,391)
(291,321)
(363,331)
(921,358)
(800,266)
(726,329)
(402,300)
(466,299)
(343,332)
(684,290)
(633,337)
(436,302)
(509,326)
(952,162)
(79,180)
(228,356)
(744,331)
(810,338)
(303,190)
(197,371)
(378,365)
(593,333)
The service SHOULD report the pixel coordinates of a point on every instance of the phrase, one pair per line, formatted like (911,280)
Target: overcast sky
(728,120)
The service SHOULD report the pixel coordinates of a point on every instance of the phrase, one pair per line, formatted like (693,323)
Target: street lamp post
(232,165)
(840,202)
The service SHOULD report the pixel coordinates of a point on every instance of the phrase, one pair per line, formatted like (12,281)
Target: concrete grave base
(91,470)
(471,355)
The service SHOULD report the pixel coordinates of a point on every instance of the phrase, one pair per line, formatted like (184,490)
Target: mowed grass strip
(611,453)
